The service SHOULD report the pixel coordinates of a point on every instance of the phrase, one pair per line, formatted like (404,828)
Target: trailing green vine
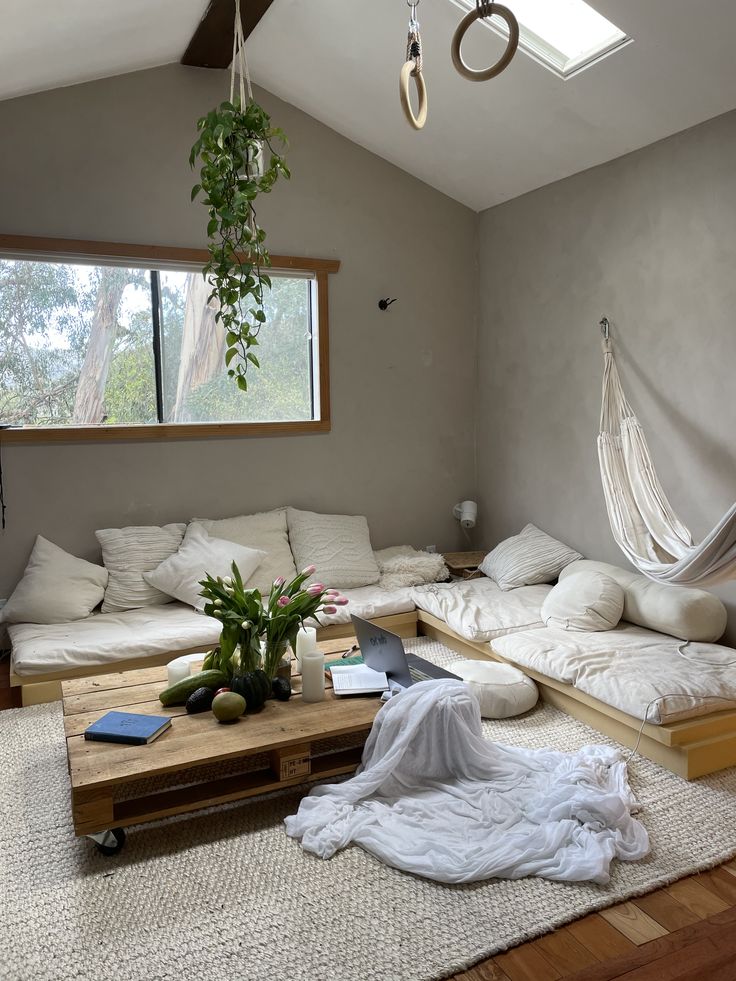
(231,148)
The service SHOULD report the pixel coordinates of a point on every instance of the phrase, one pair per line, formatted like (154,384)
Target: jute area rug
(224,894)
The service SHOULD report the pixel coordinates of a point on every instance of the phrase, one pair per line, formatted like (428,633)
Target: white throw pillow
(56,587)
(127,554)
(586,601)
(501,689)
(338,544)
(179,576)
(268,533)
(527,559)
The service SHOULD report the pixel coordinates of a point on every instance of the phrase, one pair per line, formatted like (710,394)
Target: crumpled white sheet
(434,797)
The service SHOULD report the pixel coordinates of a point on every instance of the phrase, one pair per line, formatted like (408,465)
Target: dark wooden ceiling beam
(211,45)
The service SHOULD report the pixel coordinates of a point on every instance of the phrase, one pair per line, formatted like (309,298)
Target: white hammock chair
(643,523)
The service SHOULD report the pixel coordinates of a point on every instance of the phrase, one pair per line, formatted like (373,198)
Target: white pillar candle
(313,676)
(178,670)
(306,640)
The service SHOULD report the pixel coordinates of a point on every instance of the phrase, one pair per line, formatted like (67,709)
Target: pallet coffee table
(283,734)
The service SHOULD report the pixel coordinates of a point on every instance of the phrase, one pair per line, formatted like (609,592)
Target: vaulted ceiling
(339,61)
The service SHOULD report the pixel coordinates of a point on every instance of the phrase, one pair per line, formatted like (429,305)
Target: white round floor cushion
(501,689)
(585,601)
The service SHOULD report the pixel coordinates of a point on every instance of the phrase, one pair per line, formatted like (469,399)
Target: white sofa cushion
(584,601)
(528,558)
(127,554)
(266,532)
(199,555)
(691,614)
(107,638)
(478,609)
(369,602)
(404,565)
(339,545)
(56,587)
(636,670)
(501,689)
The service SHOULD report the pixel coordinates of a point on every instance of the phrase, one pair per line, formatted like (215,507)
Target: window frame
(39,249)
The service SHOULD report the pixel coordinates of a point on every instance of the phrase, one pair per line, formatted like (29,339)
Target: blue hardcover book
(127,727)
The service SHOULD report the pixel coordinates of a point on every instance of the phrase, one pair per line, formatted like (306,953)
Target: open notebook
(357,679)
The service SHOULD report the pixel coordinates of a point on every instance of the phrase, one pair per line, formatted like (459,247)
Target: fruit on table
(281,688)
(178,694)
(200,701)
(255,687)
(221,690)
(228,706)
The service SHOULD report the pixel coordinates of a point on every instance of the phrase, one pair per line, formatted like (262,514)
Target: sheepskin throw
(404,565)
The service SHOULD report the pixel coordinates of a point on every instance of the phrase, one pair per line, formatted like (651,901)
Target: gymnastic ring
(409,71)
(503,61)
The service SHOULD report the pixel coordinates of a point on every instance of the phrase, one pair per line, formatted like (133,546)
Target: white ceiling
(339,61)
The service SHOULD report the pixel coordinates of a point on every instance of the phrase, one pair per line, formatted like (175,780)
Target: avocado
(281,688)
(200,701)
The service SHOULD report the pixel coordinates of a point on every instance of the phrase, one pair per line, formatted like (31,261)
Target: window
(566,36)
(132,348)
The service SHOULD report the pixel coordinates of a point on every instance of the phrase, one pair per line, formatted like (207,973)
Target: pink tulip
(309,571)
(318,585)
(283,601)
(314,590)
(341,601)
(329,609)
(279,582)
(332,592)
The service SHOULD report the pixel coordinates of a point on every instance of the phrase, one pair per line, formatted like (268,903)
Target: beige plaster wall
(649,240)
(108,160)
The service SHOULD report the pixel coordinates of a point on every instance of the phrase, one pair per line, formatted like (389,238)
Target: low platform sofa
(656,676)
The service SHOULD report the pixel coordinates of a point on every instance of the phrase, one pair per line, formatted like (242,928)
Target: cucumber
(180,692)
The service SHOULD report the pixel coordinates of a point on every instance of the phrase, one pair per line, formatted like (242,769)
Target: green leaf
(253,359)
(242,383)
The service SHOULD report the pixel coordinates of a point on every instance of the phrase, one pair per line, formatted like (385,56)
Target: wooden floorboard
(685,932)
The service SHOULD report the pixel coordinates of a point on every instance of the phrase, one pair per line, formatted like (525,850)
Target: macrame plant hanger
(412,68)
(239,65)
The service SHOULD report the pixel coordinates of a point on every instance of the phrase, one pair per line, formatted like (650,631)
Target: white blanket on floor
(436,798)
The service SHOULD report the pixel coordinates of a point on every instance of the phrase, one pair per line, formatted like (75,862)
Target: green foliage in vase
(231,148)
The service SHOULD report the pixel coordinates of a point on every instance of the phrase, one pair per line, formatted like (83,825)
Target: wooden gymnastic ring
(409,71)
(503,61)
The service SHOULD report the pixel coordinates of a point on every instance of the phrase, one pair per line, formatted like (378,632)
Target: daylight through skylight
(564,35)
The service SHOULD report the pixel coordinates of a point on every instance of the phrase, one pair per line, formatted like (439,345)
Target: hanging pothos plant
(232,146)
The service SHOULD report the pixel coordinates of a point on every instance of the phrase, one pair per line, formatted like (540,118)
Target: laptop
(384,651)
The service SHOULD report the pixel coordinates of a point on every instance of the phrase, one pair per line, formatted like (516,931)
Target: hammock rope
(643,521)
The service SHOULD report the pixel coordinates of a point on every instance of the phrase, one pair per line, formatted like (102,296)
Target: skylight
(566,36)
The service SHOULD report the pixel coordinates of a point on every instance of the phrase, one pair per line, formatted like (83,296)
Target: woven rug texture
(224,893)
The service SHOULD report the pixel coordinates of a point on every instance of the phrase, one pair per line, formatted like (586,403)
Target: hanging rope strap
(412,68)
(239,65)
(483,9)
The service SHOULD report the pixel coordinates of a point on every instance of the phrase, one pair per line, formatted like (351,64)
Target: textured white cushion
(56,587)
(179,575)
(267,532)
(127,554)
(528,558)
(691,614)
(584,601)
(338,544)
(501,689)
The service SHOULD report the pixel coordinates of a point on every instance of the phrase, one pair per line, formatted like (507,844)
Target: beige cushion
(127,554)
(266,532)
(527,559)
(501,689)
(584,601)
(56,587)
(179,576)
(691,614)
(338,544)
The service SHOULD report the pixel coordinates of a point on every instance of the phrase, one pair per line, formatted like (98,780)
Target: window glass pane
(196,385)
(75,344)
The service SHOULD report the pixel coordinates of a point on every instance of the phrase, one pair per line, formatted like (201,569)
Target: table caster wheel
(109,842)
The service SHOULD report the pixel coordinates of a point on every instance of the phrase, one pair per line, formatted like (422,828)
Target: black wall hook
(385,304)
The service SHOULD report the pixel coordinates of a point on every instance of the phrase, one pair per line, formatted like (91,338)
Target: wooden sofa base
(47,687)
(691,748)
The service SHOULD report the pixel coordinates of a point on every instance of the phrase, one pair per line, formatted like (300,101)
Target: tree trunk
(202,344)
(89,408)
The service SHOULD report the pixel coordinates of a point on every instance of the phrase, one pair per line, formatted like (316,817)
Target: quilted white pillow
(266,532)
(56,587)
(127,554)
(584,601)
(179,575)
(338,544)
(527,559)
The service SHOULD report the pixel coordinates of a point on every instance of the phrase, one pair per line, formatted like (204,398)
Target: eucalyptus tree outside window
(104,346)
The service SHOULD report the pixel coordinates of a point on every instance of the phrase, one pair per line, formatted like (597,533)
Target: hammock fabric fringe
(643,523)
